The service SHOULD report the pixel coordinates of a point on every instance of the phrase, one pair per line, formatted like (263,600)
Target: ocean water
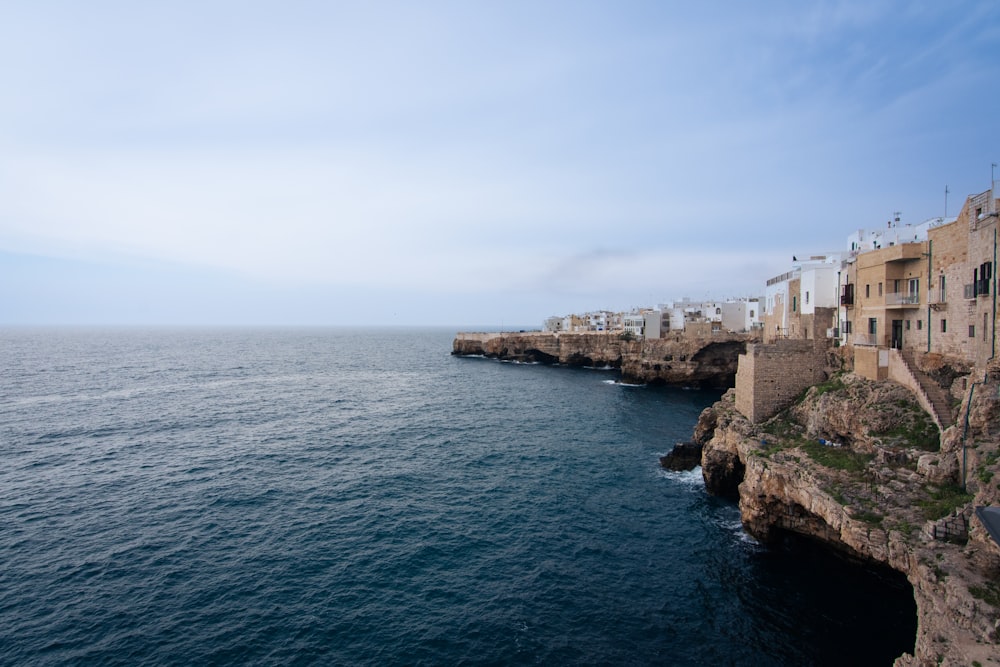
(361,497)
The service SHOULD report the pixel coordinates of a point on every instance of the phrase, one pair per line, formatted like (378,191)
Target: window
(920,325)
(847,326)
(907,325)
(981,279)
(873,325)
(984,326)
(944,326)
(807,297)
(972,331)
(880,289)
(868,291)
(751,314)
(941,288)
(795,303)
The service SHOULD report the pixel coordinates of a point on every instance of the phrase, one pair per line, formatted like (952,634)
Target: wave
(691,478)
(622,384)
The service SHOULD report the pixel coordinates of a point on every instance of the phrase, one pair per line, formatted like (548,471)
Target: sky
(466,163)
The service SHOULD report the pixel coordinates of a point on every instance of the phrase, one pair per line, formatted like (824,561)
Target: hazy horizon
(314,164)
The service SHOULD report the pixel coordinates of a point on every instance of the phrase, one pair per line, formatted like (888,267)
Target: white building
(893,234)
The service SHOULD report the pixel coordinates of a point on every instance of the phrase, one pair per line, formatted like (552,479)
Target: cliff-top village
(926,288)
(899,296)
(862,409)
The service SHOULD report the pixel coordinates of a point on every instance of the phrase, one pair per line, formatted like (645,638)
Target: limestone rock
(684,456)
(865,499)
(680,360)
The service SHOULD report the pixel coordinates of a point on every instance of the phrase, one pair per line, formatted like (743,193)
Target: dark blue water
(346,497)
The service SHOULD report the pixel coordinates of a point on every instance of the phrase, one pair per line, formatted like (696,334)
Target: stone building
(934,294)
(884,294)
(963,311)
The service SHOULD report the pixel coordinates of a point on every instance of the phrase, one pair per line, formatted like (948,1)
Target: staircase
(932,397)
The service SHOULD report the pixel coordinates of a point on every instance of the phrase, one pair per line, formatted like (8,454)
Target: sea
(359,496)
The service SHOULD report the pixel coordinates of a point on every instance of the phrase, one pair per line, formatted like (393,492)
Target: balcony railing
(901,299)
(865,339)
(970,291)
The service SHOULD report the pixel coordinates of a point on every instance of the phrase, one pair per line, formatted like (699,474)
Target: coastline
(878,500)
(679,360)
(891,498)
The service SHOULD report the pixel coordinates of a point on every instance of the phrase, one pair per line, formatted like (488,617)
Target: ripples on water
(362,497)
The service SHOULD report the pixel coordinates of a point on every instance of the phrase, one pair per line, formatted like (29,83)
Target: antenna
(946,201)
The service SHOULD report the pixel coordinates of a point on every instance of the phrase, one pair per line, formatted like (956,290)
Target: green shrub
(943,501)
(838,458)
(989,594)
(869,517)
(836,383)
(918,431)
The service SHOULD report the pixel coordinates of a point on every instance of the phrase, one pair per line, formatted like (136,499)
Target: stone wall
(949,256)
(871,362)
(981,316)
(769,377)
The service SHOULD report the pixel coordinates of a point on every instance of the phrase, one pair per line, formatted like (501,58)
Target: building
(802,303)
(643,324)
(932,294)
(883,294)
(962,304)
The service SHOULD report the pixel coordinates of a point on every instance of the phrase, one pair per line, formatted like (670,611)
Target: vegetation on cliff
(858,465)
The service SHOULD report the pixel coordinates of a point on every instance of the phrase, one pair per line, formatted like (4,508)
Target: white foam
(735,527)
(692,478)
(622,384)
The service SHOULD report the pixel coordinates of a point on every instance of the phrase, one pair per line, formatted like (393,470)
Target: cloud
(554,152)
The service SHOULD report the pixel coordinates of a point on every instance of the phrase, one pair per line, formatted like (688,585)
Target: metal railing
(865,339)
(901,299)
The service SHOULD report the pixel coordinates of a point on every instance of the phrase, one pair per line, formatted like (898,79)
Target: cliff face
(681,360)
(882,495)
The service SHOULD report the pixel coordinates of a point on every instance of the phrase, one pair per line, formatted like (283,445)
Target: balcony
(970,291)
(904,252)
(865,339)
(936,296)
(901,300)
(847,297)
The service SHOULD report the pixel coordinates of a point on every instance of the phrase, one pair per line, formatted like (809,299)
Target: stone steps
(935,395)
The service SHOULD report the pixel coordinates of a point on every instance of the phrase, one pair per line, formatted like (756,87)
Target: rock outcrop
(679,360)
(684,456)
(853,465)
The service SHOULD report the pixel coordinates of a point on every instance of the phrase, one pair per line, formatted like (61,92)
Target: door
(897,334)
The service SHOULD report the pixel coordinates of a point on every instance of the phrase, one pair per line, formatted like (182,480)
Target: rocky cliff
(679,360)
(856,465)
